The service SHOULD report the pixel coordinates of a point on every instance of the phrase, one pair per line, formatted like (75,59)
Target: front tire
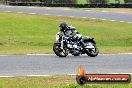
(59,52)
(92,52)
(77,54)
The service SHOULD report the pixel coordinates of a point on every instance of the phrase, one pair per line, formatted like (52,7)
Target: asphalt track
(104,15)
(29,65)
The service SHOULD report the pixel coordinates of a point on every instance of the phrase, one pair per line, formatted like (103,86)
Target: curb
(69,54)
(53,75)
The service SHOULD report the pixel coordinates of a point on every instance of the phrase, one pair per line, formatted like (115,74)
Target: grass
(81,1)
(113,1)
(52,82)
(25,33)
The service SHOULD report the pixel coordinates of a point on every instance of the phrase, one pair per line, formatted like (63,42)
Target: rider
(69,31)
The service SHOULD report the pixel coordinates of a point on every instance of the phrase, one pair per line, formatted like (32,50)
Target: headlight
(57,36)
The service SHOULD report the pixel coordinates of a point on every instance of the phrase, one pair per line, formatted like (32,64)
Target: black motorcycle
(68,40)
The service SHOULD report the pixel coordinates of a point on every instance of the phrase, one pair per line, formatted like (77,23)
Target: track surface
(66,12)
(23,65)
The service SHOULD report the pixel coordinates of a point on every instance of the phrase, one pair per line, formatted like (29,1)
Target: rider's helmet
(63,26)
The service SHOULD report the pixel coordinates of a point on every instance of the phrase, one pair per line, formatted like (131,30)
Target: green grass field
(52,82)
(25,33)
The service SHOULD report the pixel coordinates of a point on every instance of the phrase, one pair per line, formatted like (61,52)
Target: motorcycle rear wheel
(92,52)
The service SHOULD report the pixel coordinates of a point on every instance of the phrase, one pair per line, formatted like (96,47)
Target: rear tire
(92,52)
(59,52)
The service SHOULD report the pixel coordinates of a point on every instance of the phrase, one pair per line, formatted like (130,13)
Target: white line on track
(122,21)
(104,11)
(69,54)
(20,12)
(118,54)
(4,55)
(88,10)
(99,54)
(93,18)
(47,14)
(119,73)
(112,20)
(129,22)
(9,6)
(52,75)
(6,76)
(103,19)
(84,17)
(31,7)
(48,8)
(32,13)
(7,11)
(72,74)
(100,73)
(121,12)
(71,16)
(38,75)
(59,15)
(67,9)
(40,54)
(86,55)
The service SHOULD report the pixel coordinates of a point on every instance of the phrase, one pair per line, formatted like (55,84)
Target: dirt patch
(122,11)
(1,44)
(130,39)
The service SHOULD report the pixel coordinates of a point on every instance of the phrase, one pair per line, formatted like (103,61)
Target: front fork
(62,43)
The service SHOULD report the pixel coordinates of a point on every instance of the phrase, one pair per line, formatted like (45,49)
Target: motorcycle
(75,45)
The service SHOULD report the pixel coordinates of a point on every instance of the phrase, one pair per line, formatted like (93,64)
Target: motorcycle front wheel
(77,54)
(92,52)
(60,52)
